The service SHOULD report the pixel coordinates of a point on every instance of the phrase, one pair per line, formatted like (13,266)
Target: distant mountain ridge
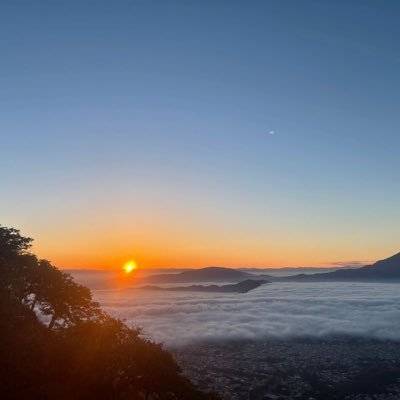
(383,270)
(387,270)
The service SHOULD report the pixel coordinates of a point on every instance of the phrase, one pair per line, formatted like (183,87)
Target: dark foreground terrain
(335,368)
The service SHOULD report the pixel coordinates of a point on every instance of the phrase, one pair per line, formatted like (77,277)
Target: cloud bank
(278,310)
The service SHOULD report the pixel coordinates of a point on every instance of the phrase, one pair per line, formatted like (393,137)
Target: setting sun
(130,266)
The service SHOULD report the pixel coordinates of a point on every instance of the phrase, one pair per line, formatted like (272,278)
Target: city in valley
(333,368)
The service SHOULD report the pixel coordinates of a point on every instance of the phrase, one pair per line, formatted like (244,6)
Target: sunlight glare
(130,266)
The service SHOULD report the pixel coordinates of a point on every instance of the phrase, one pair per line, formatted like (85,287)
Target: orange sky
(103,247)
(168,235)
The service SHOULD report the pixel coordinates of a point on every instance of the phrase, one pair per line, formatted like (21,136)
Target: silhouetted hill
(383,270)
(209,274)
(241,287)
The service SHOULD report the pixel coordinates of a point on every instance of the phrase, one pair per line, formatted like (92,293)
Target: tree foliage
(56,342)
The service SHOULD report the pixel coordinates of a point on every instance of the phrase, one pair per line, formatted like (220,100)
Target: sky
(188,134)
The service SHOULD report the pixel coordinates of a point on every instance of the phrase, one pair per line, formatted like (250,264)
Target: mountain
(387,270)
(241,287)
(209,274)
(289,271)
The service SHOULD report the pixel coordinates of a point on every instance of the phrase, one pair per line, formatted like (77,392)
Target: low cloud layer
(280,310)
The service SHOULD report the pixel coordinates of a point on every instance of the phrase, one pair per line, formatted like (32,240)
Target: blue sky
(152,119)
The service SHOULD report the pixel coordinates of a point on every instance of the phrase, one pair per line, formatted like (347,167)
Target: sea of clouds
(278,310)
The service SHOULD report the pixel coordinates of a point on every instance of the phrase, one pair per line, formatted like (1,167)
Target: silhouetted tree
(81,352)
(58,296)
(15,263)
(40,285)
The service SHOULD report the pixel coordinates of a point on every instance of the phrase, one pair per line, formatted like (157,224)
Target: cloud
(280,310)
(352,263)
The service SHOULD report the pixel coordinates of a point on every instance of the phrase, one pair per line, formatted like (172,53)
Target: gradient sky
(140,129)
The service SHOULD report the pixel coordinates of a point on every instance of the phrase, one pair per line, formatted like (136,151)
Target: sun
(129,266)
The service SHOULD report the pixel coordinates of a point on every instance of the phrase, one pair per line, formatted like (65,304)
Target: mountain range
(383,270)
(387,270)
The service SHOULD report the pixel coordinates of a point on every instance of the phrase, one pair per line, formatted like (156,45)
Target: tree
(81,352)
(12,243)
(40,285)
(15,262)
(59,297)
